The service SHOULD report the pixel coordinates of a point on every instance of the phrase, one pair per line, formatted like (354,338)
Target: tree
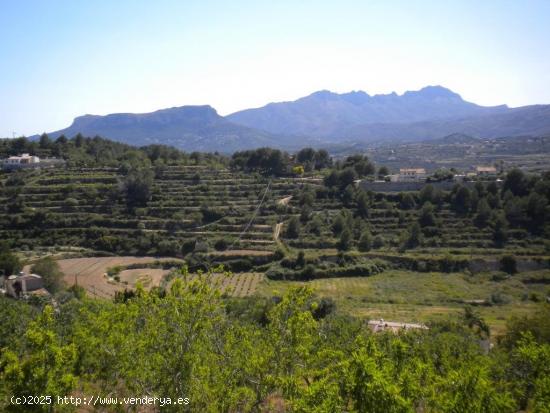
(45,141)
(383,171)
(413,236)
(483,213)
(508,264)
(407,201)
(45,368)
(530,373)
(306,157)
(363,204)
(78,140)
(316,225)
(332,179)
(70,204)
(221,244)
(347,177)
(62,140)
(378,242)
(300,260)
(492,188)
(515,182)
(427,194)
(305,213)
(461,201)
(500,233)
(514,209)
(427,217)
(346,240)
(293,228)
(322,159)
(137,186)
(370,386)
(365,242)
(536,209)
(348,196)
(338,225)
(298,170)
(9,262)
(49,270)
(360,164)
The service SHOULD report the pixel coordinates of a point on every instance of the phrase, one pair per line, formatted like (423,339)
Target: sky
(62,59)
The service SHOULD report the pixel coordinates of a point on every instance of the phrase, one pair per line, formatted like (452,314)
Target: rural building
(486,171)
(378,326)
(409,175)
(24,284)
(22,161)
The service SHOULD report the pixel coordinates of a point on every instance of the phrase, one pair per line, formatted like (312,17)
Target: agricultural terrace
(313,227)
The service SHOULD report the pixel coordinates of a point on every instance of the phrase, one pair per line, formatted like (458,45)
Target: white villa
(21,161)
(486,171)
(409,175)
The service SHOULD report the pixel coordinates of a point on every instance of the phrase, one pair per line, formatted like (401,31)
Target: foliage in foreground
(186,343)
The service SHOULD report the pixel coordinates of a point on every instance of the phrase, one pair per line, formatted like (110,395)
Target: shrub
(293,228)
(346,240)
(365,242)
(50,272)
(378,242)
(508,264)
(221,244)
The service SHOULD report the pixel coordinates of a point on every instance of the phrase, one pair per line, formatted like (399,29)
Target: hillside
(191,128)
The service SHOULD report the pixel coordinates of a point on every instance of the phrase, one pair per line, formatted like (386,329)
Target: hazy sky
(61,59)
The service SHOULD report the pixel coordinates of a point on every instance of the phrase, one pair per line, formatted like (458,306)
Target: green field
(422,297)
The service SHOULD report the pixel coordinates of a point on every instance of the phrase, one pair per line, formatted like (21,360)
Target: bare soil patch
(90,273)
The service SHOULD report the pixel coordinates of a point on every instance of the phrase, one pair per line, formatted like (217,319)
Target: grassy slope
(410,296)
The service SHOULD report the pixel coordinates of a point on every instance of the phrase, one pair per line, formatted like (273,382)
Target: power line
(253,215)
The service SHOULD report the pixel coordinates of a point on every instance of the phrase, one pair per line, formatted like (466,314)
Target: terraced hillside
(190,206)
(387,216)
(197,208)
(274,230)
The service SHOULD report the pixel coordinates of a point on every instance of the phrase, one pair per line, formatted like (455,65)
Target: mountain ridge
(192,128)
(325,113)
(318,119)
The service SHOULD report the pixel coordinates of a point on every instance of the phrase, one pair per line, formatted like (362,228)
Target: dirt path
(277,231)
(284,201)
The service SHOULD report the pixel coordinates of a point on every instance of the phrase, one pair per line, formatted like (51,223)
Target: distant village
(413,179)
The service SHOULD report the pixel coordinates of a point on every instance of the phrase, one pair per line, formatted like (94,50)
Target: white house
(486,171)
(21,161)
(409,175)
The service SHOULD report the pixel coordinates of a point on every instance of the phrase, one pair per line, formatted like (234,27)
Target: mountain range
(193,128)
(319,119)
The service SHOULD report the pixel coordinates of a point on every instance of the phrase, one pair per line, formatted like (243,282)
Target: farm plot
(235,285)
(90,273)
